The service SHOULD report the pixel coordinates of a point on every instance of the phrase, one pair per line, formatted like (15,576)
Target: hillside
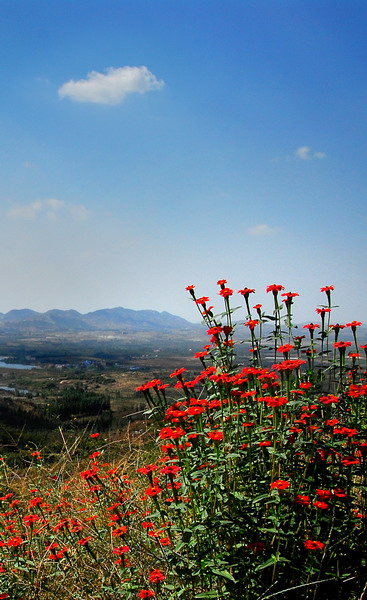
(118,319)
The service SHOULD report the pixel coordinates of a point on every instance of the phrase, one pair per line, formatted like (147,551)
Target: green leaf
(273,559)
(259,498)
(207,595)
(225,574)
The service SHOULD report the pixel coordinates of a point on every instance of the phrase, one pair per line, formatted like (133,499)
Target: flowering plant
(257,489)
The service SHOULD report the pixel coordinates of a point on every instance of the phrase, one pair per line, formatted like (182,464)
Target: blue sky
(151,144)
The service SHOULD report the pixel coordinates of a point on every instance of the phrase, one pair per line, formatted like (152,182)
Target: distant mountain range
(108,319)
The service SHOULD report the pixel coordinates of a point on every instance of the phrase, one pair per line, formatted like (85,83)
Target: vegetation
(255,489)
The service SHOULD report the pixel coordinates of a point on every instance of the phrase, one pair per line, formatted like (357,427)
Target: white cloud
(262,229)
(112,87)
(305,153)
(51,207)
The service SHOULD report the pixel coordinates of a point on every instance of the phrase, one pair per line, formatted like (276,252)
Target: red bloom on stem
(329,399)
(94,435)
(215,435)
(288,365)
(327,288)
(84,541)
(156,576)
(274,288)
(202,300)
(313,545)
(279,484)
(251,324)
(311,326)
(302,500)
(221,281)
(177,372)
(119,531)
(276,401)
(189,288)
(121,550)
(246,292)
(285,348)
(324,494)
(321,505)
(165,541)
(342,345)
(171,433)
(143,594)
(353,324)
(225,292)
(322,311)
(147,469)
(288,298)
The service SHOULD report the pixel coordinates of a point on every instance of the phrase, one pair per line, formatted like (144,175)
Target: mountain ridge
(118,318)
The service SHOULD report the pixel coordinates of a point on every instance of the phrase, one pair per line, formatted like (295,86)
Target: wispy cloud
(111,88)
(306,153)
(52,208)
(261,229)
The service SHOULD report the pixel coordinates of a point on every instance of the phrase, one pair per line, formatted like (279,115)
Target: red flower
(321,505)
(324,494)
(222,282)
(251,324)
(121,550)
(342,345)
(288,298)
(353,324)
(288,365)
(302,500)
(215,435)
(84,541)
(246,292)
(279,484)
(189,288)
(276,401)
(327,288)
(225,292)
(322,311)
(329,399)
(177,372)
(94,435)
(156,576)
(171,433)
(147,469)
(13,542)
(146,594)
(285,348)
(313,545)
(311,326)
(202,300)
(119,531)
(274,288)
(337,327)
(165,541)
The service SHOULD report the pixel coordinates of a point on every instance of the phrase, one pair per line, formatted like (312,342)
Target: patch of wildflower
(258,488)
